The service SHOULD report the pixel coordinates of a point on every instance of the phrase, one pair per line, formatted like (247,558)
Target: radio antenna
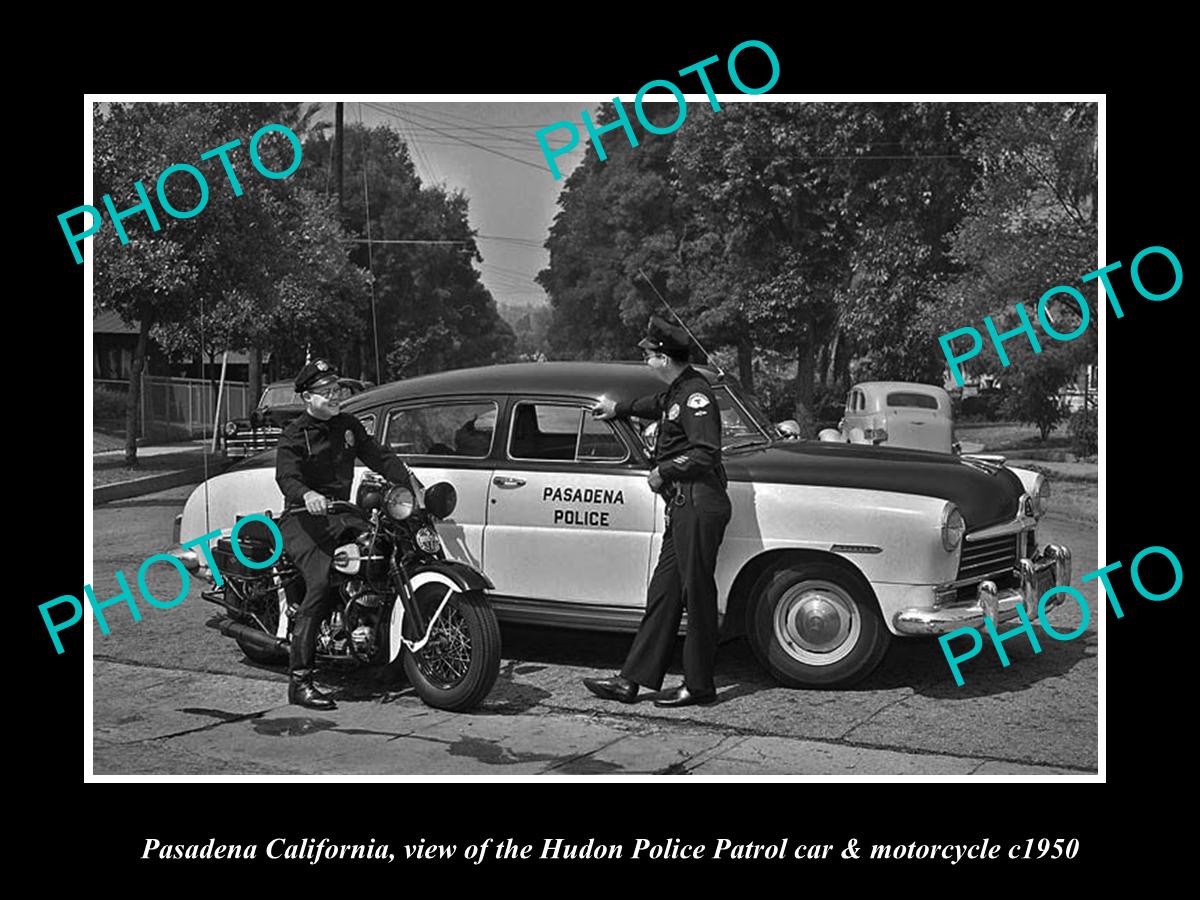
(682,324)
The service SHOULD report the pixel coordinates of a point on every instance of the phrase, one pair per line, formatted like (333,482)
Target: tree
(1032,391)
(1029,223)
(431,310)
(151,278)
(266,269)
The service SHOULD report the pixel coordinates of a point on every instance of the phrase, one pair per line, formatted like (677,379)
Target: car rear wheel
(816,625)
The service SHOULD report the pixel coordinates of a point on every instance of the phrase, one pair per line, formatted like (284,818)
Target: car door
(569,515)
(449,439)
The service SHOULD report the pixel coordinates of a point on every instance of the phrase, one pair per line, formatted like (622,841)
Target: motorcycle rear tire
(471,611)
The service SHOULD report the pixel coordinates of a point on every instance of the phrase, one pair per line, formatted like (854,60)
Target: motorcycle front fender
(456,576)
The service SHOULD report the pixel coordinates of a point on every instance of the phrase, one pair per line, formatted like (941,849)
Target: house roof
(106,321)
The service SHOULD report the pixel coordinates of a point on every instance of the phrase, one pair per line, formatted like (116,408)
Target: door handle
(507,481)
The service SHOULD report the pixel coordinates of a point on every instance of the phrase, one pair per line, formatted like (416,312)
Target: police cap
(315,374)
(663,337)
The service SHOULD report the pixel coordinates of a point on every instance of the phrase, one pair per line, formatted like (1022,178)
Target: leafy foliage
(1083,428)
(846,237)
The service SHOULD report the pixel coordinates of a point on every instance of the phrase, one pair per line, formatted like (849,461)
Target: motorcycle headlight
(231,428)
(1041,494)
(953,527)
(428,540)
(399,503)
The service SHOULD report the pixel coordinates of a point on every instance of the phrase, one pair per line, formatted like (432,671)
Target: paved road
(171,696)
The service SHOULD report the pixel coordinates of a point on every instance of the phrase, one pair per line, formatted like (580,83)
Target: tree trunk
(804,379)
(822,364)
(745,351)
(134,397)
(841,361)
(835,347)
(254,378)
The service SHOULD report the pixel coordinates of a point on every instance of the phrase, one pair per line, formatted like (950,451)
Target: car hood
(985,496)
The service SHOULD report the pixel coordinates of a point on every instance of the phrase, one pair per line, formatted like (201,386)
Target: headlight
(399,503)
(231,428)
(953,527)
(428,540)
(1041,493)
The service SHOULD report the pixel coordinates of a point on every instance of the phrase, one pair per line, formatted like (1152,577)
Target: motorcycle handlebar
(331,506)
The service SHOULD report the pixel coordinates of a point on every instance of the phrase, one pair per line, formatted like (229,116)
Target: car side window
(549,431)
(598,441)
(463,430)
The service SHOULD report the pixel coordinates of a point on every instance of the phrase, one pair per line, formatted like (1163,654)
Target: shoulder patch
(697,401)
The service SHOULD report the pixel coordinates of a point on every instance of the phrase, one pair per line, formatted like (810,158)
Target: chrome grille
(989,558)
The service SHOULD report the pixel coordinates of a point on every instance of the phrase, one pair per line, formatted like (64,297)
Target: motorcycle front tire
(442,684)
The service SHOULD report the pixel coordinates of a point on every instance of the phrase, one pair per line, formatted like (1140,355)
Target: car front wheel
(816,625)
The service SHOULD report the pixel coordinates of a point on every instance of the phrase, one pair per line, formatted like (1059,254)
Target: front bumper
(1052,567)
(248,443)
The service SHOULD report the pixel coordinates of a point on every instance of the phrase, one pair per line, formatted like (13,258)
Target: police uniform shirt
(316,455)
(689,430)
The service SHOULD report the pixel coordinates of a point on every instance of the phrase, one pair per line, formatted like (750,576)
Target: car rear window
(464,430)
(548,431)
(905,398)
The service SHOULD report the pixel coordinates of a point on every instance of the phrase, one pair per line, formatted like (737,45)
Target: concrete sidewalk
(151,720)
(159,467)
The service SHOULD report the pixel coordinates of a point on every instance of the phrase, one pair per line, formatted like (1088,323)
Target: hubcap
(446,658)
(817,623)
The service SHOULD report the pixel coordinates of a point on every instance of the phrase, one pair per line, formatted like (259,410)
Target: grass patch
(107,440)
(1000,437)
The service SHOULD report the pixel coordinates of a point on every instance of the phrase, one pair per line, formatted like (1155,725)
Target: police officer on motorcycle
(315,464)
(691,479)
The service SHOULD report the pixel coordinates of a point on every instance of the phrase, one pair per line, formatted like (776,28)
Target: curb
(123,490)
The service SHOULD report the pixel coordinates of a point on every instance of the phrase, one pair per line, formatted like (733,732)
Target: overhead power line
(467,142)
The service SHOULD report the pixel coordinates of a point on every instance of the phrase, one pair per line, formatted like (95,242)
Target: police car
(833,550)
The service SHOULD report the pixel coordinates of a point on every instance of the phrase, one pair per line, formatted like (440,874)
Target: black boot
(302,692)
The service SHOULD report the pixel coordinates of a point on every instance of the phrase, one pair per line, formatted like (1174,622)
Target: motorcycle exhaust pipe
(260,639)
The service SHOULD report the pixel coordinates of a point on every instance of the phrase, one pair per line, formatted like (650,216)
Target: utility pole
(339,143)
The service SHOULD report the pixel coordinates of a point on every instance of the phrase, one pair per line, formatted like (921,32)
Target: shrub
(107,405)
(1083,429)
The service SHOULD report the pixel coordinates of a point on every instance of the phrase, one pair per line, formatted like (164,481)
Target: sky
(489,151)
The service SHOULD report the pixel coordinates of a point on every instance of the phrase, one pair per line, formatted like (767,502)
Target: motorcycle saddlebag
(257,544)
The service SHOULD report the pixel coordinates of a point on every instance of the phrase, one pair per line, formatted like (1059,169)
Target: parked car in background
(896,414)
(832,551)
(278,405)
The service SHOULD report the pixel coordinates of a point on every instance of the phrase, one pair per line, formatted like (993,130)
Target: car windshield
(281,395)
(738,425)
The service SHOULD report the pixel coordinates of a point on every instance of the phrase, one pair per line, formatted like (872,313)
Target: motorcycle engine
(361,621)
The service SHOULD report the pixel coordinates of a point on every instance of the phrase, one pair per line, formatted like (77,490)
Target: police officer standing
(315,463)
(691,479)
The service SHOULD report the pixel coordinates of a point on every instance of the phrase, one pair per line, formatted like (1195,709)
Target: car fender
(899,542)
(454,575)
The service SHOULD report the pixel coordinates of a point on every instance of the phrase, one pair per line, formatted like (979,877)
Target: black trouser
(684,574)
(310,541)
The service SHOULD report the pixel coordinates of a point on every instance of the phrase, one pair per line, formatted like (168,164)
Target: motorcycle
(399,600)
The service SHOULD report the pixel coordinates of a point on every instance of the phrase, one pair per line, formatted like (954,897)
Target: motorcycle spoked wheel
(457,668)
